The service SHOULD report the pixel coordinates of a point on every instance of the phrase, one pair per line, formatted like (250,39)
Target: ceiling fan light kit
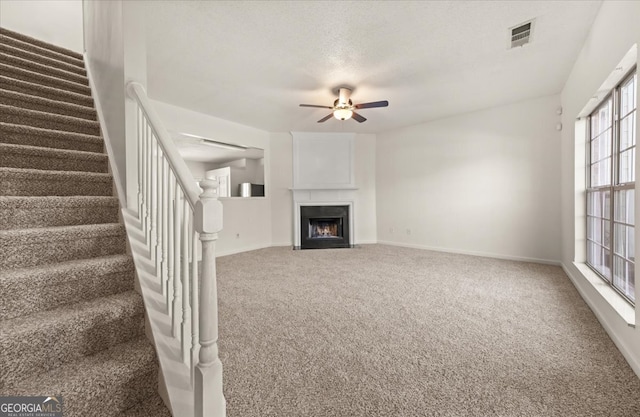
(342,114)
(343,107)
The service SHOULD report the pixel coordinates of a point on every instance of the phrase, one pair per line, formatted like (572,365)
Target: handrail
(180,228)
(183,175)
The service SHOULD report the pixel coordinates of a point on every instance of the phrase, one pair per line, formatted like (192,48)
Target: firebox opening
(325,228)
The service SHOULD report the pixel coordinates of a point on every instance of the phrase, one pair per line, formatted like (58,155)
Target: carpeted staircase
(71,322)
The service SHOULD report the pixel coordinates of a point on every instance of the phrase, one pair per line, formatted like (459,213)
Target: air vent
(521,34)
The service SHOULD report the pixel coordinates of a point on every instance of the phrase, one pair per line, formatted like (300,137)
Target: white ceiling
(254,62)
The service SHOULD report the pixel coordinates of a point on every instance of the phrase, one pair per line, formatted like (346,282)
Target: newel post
(209,400)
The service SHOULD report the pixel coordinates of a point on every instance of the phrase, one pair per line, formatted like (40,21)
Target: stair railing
(174,217)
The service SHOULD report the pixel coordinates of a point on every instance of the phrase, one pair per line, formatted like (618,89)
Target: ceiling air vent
(521,34)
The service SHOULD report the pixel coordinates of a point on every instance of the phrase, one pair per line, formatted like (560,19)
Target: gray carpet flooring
(388,331)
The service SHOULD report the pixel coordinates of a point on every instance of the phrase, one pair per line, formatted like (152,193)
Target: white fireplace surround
(308,198)
(323,175)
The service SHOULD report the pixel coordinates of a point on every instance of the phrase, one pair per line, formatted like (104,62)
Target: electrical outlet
(408,231)
(391,230)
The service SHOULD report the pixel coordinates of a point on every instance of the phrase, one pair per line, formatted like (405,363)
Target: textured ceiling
(254,62)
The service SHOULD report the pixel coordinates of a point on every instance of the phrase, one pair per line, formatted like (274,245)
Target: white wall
(282,182)
(365,202)
(115,54)
(198,168)
(247,221)
(105,58)
(55,21)
(615,29)
(481,183)
(280,189)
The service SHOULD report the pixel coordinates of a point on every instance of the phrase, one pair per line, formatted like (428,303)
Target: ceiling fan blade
(324,119)
(383,103)
(313,105)
(358,118)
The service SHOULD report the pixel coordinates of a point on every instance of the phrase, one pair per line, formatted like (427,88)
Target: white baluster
(186,307)
(159,210)
(139,140)
(164,271)
(153,177)
(177,285)
(209,399)
(145,202)
(147,162)
(171,244)
(195,347)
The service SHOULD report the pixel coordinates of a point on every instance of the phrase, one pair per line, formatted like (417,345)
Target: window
(611,187)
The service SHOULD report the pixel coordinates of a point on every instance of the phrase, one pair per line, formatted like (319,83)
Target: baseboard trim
(473,253)
(366,242)
(604,319)
(240,250)
(281,244)
(122,196)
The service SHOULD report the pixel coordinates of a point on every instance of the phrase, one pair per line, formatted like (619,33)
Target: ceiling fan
(343,108)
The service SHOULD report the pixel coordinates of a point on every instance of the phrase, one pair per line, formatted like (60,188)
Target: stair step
(50,339)
(21,156)
(43,79)
(17,115)
(35,182)
(41,59)
(151,407)
(71,323)
(52,211)
(102,385)
(43,69)
(47,287)
(22,248)
(42,47)
(35,136)
(46,105)
(39,90)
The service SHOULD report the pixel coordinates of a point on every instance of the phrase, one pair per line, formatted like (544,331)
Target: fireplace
(324,227)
